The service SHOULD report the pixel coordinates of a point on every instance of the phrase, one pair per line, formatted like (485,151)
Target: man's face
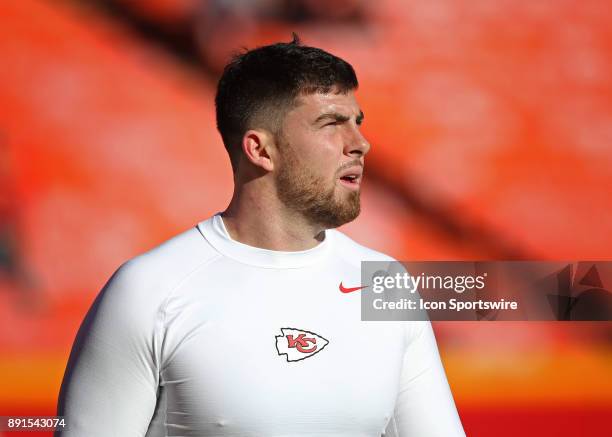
(322,154)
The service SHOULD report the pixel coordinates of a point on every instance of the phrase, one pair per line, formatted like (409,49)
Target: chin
(343,212)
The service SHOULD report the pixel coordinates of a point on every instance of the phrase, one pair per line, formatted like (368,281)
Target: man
(237,327)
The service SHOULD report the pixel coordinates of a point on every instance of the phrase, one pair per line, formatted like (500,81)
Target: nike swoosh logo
(350,289)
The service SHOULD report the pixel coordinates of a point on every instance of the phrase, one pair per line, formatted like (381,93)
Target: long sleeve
(110,383)
(425,406)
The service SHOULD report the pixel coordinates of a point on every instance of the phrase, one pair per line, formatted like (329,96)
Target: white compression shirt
(206,336)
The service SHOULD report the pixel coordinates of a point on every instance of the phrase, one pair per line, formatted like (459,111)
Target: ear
(257,146)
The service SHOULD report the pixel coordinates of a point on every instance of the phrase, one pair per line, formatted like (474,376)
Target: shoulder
(353,252)
(150,277)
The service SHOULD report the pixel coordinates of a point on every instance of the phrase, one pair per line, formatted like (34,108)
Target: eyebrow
(339,117)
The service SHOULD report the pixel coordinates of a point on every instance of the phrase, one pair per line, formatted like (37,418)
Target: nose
(356,145)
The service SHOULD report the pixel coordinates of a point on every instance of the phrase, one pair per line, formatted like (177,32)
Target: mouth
(351,179)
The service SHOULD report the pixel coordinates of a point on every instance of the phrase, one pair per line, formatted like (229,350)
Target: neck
(255,216)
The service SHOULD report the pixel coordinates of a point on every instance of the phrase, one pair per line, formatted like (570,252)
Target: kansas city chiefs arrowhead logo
(297,344)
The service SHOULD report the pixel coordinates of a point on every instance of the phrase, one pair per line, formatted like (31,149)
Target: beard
(314,196)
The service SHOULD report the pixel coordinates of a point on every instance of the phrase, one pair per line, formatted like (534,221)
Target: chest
(279,356)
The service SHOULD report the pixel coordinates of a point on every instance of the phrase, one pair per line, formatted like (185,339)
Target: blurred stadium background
(491,125)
